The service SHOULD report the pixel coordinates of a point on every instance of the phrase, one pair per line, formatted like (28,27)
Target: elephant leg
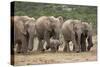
(40,45)
(24,44)
(57,48)
(48,44)
(83,44)
(76,47)
(30,44)
(19,44)
(66,48)
(53,49)
(47,47)
(73,47)
(47,39)
(90,43)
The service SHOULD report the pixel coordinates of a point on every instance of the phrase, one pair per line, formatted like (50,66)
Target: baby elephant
(54,45)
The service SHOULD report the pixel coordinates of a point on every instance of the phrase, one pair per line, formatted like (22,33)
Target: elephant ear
(20,21)
(60,19)
(20,25)
(29,23)
(24,18)
(53,21)
(74,27)
(76,24)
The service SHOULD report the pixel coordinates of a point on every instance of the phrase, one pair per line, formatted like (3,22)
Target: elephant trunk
(57,33)
(30,44)
(78,42)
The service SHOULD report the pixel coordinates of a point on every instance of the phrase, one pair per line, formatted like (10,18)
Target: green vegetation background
(84,13)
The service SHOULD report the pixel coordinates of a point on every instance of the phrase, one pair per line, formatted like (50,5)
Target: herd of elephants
(48,29)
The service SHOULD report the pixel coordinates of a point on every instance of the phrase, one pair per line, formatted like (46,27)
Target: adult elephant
(23,31)
(77,32)
(86,35)
(47,27)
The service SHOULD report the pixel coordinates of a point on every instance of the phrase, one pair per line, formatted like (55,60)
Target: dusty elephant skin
(24,30)
(46,28)
(77,32)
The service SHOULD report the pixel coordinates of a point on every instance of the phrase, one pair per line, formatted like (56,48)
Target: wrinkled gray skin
(23,33)
(54,45)
(47,27)
(77,32)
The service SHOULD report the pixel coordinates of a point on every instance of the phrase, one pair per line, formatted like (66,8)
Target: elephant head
(56,24)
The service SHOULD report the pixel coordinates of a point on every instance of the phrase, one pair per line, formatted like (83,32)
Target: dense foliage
(85,13)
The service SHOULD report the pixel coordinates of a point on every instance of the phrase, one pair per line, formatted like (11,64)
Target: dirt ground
(58,57)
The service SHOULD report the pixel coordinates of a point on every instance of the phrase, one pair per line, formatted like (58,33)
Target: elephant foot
(47,47)
(83,50)
(43,50)
(18,52)
(66,50)
(53,50)
(24,51)
(78,51)
(40,49)
(89,47)
(30,49)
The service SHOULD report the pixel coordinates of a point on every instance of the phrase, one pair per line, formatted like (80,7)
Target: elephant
(47,27)
(23,31)
(84,32)
(86,35)
(54,45)
(69,34)
(77,32)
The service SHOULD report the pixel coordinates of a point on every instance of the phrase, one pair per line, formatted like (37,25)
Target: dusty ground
(58,57)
